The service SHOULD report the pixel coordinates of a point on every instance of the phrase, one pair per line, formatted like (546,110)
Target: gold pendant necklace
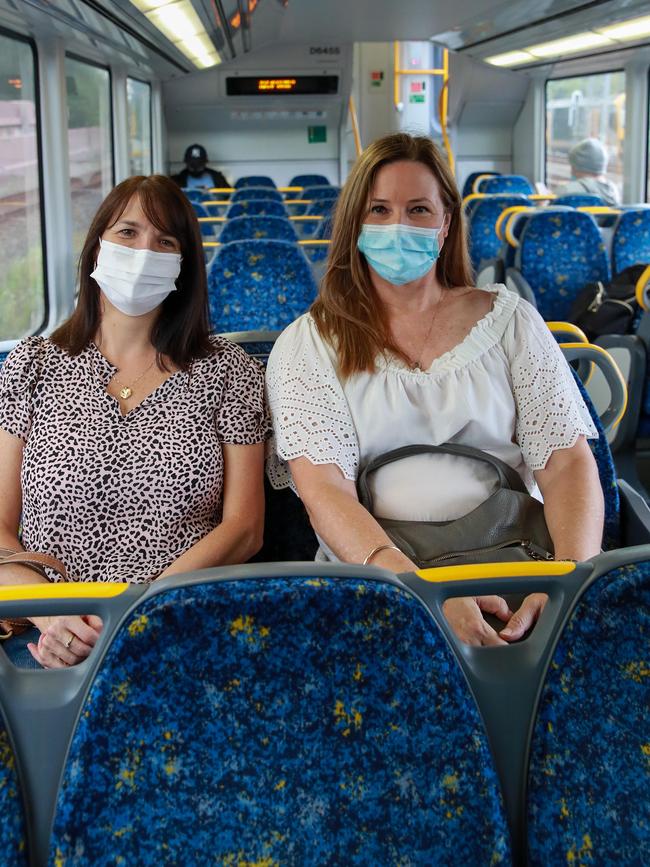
(417,365)
(127,390)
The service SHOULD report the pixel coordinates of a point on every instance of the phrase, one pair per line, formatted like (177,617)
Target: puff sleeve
(18,378)
(551,413)
(310,414)
(242,417)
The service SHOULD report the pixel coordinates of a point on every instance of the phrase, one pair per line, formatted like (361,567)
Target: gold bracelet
(377,550)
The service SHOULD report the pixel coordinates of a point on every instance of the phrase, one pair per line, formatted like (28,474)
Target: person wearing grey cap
(588,161)
(196,172)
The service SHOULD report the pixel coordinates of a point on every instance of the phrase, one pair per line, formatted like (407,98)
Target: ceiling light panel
(569,45)
(510,58)
(179,22)
(636,28)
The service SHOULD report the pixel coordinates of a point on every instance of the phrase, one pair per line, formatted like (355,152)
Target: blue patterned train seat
(254,181)
(242,228)
(259,284)
(321,193)
(194,194)
(631,239)
(257,208)
(3,355)
(12,819)
(484,242)
(589,773)
(579,200)
(469,181)
(506,184)
(272,720)
(207,229)
(308,181)
(320,208)
(245,193)
(559,253)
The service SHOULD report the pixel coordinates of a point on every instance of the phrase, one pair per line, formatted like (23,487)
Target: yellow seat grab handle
(511,223)
(612,416)
(642,289)
(505,215)
(560,329)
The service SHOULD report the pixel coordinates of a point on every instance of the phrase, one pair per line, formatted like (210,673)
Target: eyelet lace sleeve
(310,414)
(550,411)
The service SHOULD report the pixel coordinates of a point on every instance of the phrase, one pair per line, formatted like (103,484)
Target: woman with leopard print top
(131,441)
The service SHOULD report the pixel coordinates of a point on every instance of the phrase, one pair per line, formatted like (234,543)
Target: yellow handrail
(355,125)
(443,101)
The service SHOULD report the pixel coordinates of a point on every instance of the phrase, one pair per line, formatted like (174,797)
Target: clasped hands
(465,616)
(65,641)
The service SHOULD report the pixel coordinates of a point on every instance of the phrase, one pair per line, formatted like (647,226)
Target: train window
(138,94)
(22,286)
(90,137)
(587,106)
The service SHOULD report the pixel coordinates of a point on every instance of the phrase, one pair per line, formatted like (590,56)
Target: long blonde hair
(348,312)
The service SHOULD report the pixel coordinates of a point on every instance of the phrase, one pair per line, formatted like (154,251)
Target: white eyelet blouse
(506,389)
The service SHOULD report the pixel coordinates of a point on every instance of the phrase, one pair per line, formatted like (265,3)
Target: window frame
(150,86)
(80,59)
(564,78)
(28,40)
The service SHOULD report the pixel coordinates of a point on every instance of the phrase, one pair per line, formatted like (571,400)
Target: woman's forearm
(574,510)
(233,541)
(350,531)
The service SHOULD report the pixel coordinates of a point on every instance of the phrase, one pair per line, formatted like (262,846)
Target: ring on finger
(68,642)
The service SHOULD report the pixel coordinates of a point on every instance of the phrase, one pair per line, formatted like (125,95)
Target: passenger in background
(400,348)
(131,439)
(196,172)
(588,161)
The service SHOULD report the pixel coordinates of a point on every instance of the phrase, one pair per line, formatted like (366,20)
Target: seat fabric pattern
(194,194)
(242,228)
(12,820)
(308,181)
(305,721)
(257,208)
(246,193)
(256,285)
(3,355)
(559,253)
(607,474)
(589,776)
(254,181)
(324,193)
(631,240)
(484,242)
(506,184)
(578,200)
(207,229)
(469,181)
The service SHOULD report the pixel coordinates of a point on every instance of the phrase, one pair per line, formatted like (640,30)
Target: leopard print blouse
(120,498)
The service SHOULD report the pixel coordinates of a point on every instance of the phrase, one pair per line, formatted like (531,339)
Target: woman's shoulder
(226,358)
(26,354)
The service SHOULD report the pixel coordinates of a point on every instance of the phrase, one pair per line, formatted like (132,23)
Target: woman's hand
(65,641)
(525,616)
(464,615)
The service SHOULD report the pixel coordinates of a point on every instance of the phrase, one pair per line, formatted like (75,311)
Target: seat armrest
(516,282)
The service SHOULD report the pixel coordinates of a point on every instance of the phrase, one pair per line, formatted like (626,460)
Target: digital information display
(300,85)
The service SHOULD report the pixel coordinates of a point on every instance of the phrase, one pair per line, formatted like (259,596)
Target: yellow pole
(355,125)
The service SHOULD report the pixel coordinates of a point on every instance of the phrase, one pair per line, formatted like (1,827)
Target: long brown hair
(181,331)
(348,312)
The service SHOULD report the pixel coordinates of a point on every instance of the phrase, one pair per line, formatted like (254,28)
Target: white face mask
(135,281)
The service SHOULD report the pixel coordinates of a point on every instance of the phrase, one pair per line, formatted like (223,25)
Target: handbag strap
(34,559)
(508,478)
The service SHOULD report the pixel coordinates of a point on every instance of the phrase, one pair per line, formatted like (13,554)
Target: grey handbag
(509,525)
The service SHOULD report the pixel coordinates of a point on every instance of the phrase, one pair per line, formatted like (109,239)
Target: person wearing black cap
(196,172)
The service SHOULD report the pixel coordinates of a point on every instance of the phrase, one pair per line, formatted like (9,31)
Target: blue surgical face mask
(399,253)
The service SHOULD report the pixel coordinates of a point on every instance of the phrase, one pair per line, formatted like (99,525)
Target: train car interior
(290,711)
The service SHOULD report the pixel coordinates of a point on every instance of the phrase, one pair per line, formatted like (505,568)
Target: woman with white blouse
(400,348)
(131,440)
